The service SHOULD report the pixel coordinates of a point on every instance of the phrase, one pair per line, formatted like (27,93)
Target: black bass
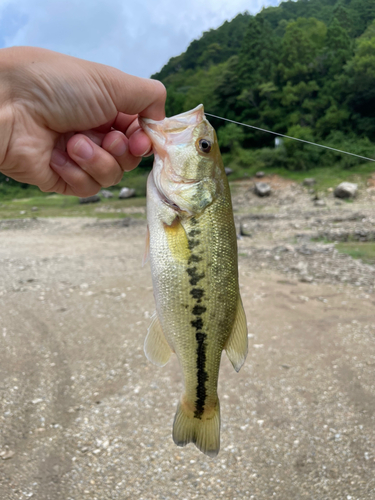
(193,254)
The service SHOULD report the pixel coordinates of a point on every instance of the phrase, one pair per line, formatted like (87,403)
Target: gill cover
(187,162)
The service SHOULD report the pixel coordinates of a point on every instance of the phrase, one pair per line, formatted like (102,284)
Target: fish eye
(205,145)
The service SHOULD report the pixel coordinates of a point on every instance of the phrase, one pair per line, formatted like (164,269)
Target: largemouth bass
(193,254)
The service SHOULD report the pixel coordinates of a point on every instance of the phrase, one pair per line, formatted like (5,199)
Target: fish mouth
(175,130)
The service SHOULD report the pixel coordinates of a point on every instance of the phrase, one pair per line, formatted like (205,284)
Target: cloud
(138,38)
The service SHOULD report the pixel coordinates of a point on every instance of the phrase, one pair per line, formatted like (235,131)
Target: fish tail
(203,431)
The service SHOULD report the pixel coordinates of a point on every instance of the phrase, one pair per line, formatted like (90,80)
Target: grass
(56,205)
(326,177)
(364,251)
(330,177)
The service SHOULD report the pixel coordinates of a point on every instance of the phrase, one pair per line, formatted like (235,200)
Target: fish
(192,248)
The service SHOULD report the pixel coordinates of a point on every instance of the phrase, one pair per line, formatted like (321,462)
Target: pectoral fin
(177,240)
(236,346)
(156,347)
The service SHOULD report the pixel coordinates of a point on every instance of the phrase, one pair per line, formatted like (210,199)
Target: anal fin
(236,346)
(156,347)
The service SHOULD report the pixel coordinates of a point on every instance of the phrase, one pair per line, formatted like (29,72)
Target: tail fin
(203,432)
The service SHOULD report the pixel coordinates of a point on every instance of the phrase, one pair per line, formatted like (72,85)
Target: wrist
(6,128)
(6,112)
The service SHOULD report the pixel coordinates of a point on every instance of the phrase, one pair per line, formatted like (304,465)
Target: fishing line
(289,137)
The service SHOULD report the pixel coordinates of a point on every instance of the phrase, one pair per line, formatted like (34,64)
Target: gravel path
(83,414)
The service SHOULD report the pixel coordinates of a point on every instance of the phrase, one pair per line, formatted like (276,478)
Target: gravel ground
(83,414)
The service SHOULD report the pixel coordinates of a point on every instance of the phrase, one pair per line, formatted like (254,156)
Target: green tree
(301,45)
(258,55)
(359,80)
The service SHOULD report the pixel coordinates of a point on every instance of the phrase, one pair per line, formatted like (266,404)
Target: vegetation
(364,251)
(305,69)
(56,205)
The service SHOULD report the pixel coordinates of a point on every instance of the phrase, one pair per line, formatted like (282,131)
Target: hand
(71,126)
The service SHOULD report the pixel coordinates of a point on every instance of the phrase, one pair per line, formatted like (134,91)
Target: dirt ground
(83,414)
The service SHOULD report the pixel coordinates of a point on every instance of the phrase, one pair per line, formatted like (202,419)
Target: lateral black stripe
(202,375)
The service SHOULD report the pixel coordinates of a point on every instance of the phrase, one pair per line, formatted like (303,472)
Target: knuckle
(161,89)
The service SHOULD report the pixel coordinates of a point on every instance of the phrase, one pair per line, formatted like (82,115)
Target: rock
(89,199)
(6,454)
(34,209)
(126,193)
(106,194)
(319,203)
(228,170)
(260,174)
(306,279)
(262,189)
(346,190)
(309,181)
(244,231)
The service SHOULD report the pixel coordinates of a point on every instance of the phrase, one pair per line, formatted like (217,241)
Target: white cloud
(136,37)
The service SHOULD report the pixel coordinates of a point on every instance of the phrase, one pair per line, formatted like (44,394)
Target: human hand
(71,126)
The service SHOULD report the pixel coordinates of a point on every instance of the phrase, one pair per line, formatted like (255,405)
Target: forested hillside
(304,68)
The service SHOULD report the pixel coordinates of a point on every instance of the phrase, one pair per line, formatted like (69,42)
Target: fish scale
(193,256)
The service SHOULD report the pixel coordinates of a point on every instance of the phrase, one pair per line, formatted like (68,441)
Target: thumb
(134,95)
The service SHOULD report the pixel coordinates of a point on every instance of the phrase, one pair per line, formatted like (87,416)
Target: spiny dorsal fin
(156,347)
(236,346)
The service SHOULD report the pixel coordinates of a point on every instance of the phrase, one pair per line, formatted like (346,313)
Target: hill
(304,68)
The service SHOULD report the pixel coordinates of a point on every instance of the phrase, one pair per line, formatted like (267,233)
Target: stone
(262,189)
(126,193)
(319,203)
(244,231)
(346,190)
(6,454)
(228,170)
(106,194)
(260,174)
(306,279)
(309,181)
(89,199)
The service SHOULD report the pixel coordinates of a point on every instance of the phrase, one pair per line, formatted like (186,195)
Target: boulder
(309,181)
(106,194)
(346,190)
(262,189)
(89,199)
(260,174)
(228,171)
(126,193)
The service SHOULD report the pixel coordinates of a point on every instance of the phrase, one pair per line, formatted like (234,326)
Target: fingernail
(148,151)
(58,158)
(83,149)
(118,147)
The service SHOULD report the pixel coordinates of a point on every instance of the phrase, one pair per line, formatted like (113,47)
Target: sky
(137,37)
